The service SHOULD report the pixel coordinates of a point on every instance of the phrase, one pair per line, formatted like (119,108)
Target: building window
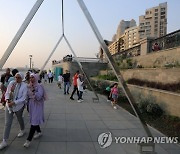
(156,14)
(156,10)
(163,9)
(162,17)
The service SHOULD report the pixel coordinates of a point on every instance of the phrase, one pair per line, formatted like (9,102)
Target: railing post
(145,45)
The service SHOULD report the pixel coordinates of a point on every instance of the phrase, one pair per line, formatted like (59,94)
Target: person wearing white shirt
(50,76)
(80,87)
(60,80)
(15,96)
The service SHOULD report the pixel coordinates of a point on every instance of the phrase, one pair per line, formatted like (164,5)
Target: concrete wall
(163,75)
(159,59)
(170,102)
(91,68)
(157,75)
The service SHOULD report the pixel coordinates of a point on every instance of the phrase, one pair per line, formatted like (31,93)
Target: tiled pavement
(73,128)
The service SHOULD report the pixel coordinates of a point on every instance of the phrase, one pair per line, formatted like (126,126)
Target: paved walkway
(73,128)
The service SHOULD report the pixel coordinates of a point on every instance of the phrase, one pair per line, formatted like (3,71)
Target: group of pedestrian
(48,77)
(20,92)
(78,84)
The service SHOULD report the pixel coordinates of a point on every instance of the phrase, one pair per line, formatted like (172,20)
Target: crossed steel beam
(102,43)
(20,32)
(76,59)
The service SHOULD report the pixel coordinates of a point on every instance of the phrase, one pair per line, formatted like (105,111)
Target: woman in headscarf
(15,97)
(36,98)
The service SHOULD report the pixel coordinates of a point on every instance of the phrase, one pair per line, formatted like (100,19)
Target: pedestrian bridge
(73,128)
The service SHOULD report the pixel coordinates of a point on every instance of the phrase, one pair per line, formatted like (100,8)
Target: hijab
(21,75)
(35,84)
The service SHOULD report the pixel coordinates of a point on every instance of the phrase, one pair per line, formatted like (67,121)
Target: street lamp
(30,57)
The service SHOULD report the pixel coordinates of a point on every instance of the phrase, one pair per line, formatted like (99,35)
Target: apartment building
(123,25)
(131,37)
(154,22)
(117,45)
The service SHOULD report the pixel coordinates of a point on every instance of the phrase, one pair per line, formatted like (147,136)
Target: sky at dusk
(45,29)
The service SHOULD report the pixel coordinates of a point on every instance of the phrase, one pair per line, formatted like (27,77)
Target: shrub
(175,87)
(142,105)
(154,110)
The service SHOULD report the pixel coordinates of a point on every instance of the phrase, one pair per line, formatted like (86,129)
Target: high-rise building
(117,46)
(154,22)
(123,25)
(114,38)
(131,37)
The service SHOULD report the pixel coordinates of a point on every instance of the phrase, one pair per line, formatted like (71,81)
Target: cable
(62,18)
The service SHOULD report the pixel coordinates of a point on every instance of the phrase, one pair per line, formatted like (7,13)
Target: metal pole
(114,66)
(51,54)
(20,32)
(30,57)
(88,80)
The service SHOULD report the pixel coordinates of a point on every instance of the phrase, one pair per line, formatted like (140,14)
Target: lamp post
(30,58)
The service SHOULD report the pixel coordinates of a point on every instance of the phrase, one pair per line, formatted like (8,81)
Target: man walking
(66,77)
(75,77)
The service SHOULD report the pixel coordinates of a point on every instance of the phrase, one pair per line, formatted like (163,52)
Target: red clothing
(75,79)
(114,91)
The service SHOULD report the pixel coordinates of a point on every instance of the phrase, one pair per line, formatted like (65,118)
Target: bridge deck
(73,128)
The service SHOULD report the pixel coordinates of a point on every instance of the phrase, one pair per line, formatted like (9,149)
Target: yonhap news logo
(105,139)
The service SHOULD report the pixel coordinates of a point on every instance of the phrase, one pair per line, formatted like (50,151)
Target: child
(108,92)
(60,80)
(114,94)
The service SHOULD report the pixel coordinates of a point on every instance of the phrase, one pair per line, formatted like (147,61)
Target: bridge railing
(86,59)
(80,59)
(170,40)
(131,52)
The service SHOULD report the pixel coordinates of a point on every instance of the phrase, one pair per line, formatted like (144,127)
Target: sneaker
(26,144)
(115,107)
(3,145)
(37,135)
(79,101)
(108,100)
(21,133)
(71,98)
